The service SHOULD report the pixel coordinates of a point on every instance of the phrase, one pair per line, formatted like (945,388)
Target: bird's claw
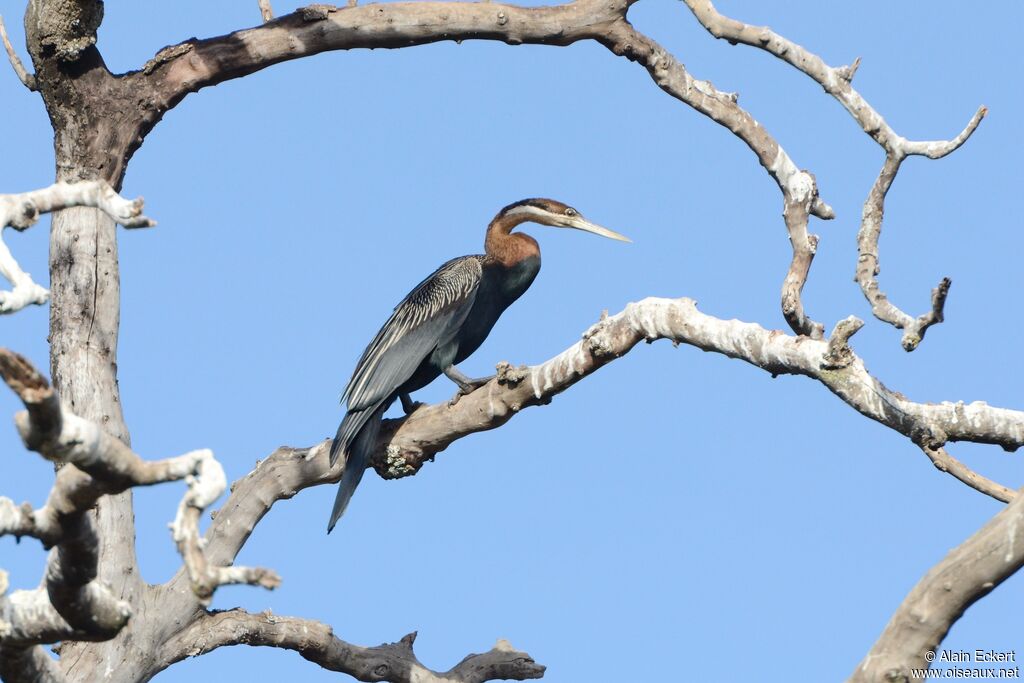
(466,388)
(409,406)
(412,407)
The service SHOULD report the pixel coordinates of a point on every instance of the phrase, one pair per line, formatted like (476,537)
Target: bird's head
(554,213)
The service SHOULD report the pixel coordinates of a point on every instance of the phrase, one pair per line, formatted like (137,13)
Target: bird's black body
(439,324)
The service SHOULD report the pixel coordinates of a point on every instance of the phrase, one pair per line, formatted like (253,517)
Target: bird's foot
(468,386)
(409,406)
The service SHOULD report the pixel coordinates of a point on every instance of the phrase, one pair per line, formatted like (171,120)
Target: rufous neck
(506,247)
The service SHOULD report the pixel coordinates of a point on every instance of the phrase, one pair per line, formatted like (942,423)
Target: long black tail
(356,438)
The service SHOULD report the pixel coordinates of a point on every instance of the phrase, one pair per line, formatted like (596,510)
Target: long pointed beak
(582,224)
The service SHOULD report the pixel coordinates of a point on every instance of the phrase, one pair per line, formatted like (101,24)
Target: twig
(839,354)
(944,462)
(266,11)
(27,79)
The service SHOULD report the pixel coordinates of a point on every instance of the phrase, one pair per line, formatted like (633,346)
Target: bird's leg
(467,385)
(409,406)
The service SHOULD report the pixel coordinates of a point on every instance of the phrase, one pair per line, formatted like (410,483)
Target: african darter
(440,323)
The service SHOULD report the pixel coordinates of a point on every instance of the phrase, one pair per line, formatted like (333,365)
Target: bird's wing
(429,316)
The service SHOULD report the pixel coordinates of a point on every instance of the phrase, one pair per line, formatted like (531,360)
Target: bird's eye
(570,211)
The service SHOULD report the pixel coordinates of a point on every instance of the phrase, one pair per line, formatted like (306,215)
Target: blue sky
(675,511)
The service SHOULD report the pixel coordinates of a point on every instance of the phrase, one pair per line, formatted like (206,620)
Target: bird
(439,324)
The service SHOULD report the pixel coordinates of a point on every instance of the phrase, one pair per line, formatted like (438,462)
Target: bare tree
(92,600)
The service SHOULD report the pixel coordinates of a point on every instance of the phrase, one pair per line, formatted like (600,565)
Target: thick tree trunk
(84,316)
(93,136)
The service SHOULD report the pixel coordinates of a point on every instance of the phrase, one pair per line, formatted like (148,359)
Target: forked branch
(838,82)
(72,603)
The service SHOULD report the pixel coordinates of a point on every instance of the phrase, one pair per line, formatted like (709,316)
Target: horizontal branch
(315,641)
(187,67)
(20,211)
(407,443)
(184,68)
(968,573)
(427,431)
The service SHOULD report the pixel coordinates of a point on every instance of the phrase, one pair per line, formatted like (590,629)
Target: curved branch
(189,66)
(407,443)
(316,642)
(103,464)
(799,188)
(968,573)
(431,429)
(178,70)
(868,267)
(205,487)
(838,83)
(27,79)
(74,604)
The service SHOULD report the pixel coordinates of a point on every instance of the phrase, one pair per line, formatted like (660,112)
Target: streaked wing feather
(430,315)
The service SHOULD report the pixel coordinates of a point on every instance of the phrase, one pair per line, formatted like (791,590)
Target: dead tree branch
(944,462)
(27,79)
(29,665)
(187,67)
(799,188)
(968,573)
(72,603)
(837,82)
(868,264)
(429,430)
(205,487)
(316,642)
(21,211)
(266,11)
(407,443)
